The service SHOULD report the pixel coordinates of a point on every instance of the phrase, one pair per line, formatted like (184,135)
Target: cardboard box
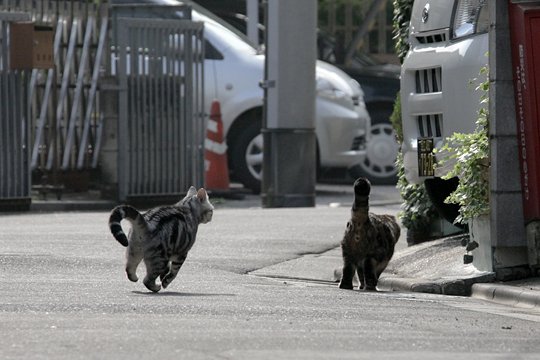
(31,46)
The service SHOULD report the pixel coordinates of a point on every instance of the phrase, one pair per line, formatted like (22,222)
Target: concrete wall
(507,231)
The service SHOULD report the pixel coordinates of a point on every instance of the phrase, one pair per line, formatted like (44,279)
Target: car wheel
(382,149)
(247,156)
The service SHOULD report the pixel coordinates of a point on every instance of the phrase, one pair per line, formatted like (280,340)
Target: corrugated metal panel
(14,172)
(161,114)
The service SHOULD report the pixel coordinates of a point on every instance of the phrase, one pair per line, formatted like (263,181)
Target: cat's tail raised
(117,215)
(362,188)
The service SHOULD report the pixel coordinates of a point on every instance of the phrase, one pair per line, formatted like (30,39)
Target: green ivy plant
(470,154)
(417,212)
(401,21)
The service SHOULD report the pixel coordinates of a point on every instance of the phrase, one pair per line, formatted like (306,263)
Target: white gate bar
(91,99)
(79,87)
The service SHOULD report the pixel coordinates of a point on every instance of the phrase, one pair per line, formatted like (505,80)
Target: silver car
(233,70)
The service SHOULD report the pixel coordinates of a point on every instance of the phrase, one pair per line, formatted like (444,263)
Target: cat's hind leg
(134,256)
(175,267)
(381,266)
(347,275)
(150,283)
(360,272)
(154,269)
(370,275)
(164,273)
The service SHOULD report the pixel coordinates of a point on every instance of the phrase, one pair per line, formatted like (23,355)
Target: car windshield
(328,47)
(363,59)
(228,38)
(216,19)
(213,24)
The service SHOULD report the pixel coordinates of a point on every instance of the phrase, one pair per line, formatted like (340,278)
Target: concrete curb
(59,205)
(507,295)
(455,287)
(409,285)
(478,287)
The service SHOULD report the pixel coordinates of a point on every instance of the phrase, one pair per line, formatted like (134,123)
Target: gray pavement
(433,267)
(258,284)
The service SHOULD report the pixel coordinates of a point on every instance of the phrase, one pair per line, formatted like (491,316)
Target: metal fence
(64,110)
(162,126)
(59,113)
(14,172)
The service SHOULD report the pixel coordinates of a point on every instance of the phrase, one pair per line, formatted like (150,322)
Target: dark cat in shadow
(369,241)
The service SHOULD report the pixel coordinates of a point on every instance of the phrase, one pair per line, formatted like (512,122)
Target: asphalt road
(64,295)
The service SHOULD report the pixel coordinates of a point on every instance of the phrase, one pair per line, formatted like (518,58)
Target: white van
(448,47)
(233,70)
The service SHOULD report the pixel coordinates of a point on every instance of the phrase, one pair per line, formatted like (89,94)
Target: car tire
(382,149)
(438,190)
(246,156)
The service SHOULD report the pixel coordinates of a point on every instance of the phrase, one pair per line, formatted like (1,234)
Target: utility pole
(252,11)
(289,155)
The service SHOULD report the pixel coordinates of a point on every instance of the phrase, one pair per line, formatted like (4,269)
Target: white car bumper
(438,96)
(341,133)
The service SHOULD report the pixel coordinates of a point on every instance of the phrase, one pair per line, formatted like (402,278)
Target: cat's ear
(192,191)
(202,195)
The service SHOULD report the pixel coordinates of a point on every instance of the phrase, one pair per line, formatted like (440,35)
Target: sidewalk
(434,267)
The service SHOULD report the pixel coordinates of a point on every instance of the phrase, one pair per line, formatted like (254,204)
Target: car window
(211,53)
(221,34)
(222,39)
(208,16)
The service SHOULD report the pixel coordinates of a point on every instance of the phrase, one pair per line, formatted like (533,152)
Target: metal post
(108,157)
(289,155)
(123,130)
(252,10)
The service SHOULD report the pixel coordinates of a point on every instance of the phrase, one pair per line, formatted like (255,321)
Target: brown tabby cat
(368,243)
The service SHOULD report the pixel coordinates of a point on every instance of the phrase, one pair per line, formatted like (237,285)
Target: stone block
(507,225)
(505,172)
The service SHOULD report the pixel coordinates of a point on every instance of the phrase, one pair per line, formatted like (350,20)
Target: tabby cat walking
(368,243)
(161,236)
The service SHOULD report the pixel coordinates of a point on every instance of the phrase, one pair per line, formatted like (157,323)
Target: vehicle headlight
(471,17)
(327,89)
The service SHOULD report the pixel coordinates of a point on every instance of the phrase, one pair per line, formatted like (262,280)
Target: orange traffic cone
(215,154)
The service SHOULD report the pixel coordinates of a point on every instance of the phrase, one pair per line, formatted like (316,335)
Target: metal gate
(65,110)
(162,126)
(62,109)
(14,134)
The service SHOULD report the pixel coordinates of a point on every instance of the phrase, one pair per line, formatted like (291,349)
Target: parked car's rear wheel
(382,149)
(246,156)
